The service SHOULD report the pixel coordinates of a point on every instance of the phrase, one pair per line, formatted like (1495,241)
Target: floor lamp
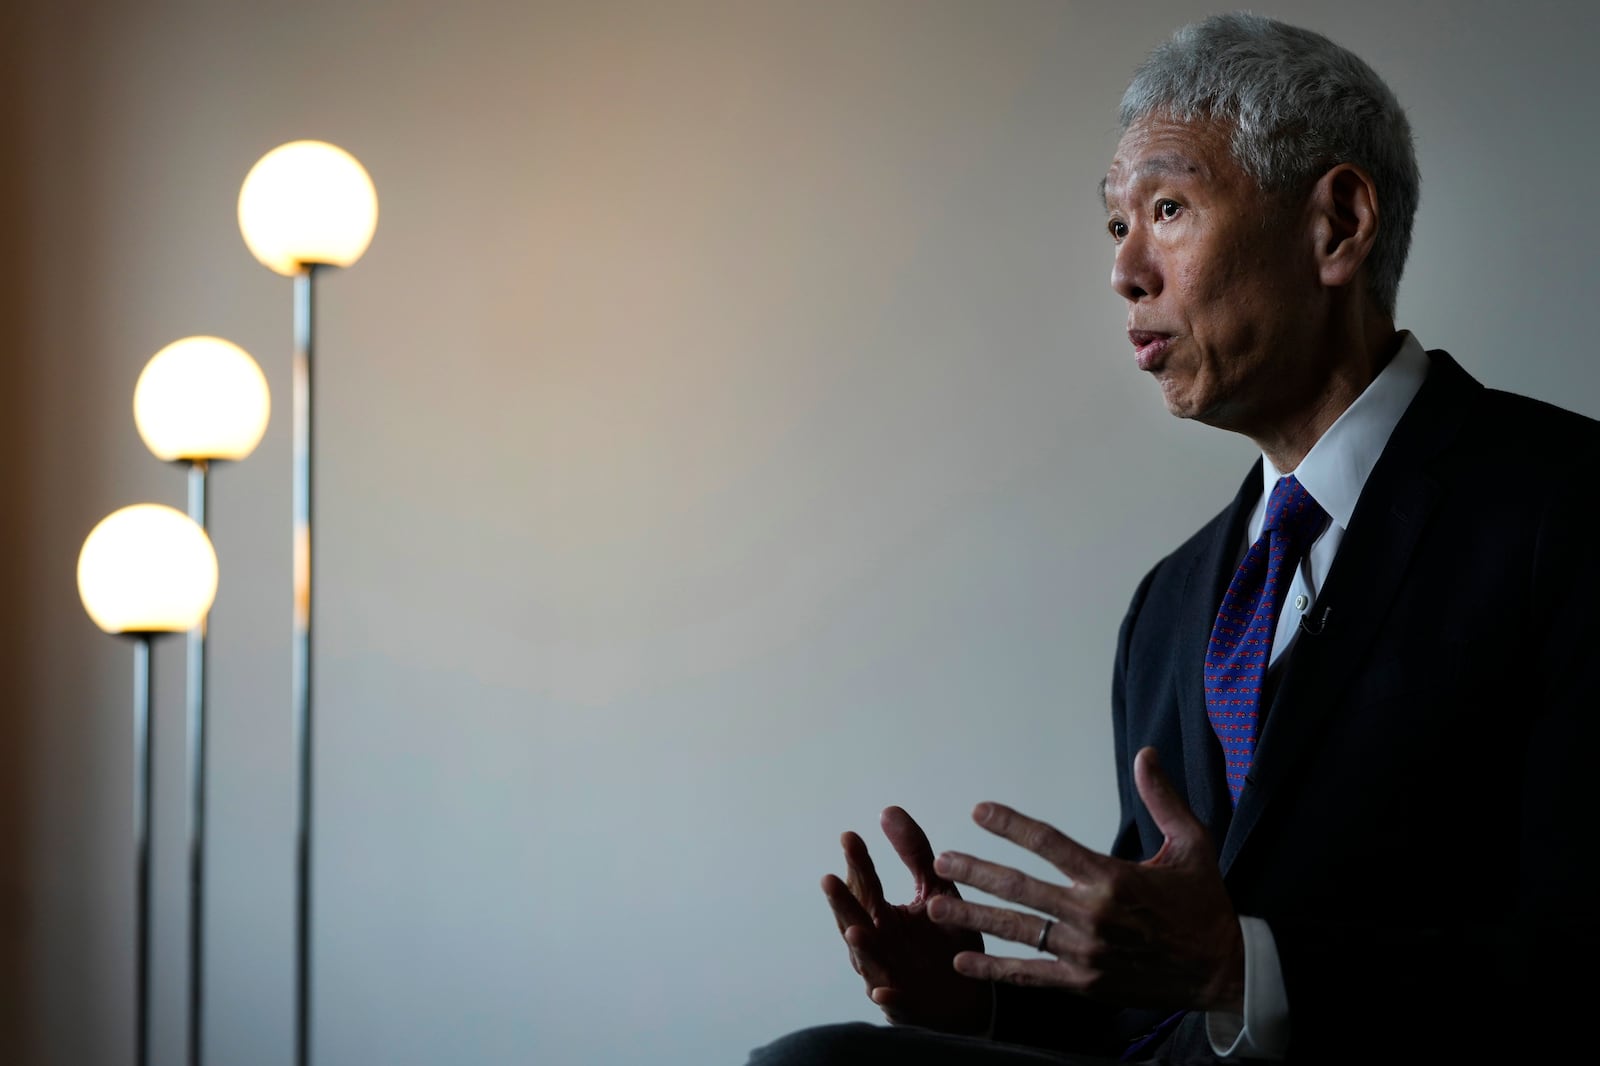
(303,207)
(199,401)
(144,571)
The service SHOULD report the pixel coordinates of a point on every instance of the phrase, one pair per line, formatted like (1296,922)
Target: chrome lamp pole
(144,571)
(200,400)
(305,206)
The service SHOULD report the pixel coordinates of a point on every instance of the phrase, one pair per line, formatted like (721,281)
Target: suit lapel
(1208,579)
(1395,506)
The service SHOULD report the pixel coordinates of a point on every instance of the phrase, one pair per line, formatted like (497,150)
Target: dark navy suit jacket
(1420,829)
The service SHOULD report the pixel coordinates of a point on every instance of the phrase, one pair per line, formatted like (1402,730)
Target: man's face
(1219,278)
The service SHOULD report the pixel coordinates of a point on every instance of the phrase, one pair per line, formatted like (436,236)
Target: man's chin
(1188,406)
(1180,401)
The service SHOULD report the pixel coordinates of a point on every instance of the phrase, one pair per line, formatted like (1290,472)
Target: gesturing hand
(904,957)
(1158,933)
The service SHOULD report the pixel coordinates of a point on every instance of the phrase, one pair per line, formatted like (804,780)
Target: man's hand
(1158,933)
(904,957)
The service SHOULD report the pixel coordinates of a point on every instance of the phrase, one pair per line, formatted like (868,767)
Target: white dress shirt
(1334,472)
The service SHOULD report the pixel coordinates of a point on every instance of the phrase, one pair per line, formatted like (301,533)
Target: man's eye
(1167,210)
(1117,228)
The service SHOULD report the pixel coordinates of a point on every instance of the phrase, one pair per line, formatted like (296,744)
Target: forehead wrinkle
(1162,164)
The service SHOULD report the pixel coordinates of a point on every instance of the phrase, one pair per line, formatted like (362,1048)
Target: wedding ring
(1044,933)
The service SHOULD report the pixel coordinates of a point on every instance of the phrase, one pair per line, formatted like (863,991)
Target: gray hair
(1298,104)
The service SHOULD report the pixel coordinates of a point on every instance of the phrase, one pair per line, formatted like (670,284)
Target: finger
(901,1007)
(866,955)
(1004,882)
(1182,830)
(862,876)
(1038,972)
(856,927)
(847,910)
(1015,926)
(1041,838)
(894,1001)
(911,844)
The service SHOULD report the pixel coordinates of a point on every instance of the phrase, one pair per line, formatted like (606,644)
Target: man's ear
(1344,209)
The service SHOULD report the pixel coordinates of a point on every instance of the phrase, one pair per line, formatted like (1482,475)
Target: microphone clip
(1322,623)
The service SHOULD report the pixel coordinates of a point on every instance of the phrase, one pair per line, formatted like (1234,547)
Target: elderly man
(1351,712)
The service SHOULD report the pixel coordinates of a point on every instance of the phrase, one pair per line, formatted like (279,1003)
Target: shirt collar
(1335,470)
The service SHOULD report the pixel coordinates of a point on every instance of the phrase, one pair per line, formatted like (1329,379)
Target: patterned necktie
(1241,641)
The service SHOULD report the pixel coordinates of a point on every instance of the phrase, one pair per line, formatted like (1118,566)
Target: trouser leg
(860,1044)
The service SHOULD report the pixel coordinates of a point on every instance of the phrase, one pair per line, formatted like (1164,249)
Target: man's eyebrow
(1165,164)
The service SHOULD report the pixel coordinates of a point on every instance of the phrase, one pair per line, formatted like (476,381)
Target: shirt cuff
(1263,1030)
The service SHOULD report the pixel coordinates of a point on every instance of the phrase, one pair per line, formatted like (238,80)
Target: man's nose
(1134,272)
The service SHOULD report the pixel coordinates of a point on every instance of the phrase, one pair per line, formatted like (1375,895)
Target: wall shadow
(16,488)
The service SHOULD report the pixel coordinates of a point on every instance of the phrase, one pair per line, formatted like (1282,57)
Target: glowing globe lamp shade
(147,569)
(307,203)
(201,398)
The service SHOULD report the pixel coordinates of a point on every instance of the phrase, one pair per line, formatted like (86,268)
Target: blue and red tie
(1241,641)
(1241,645)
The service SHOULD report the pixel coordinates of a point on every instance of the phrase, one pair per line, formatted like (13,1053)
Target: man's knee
(845,1044)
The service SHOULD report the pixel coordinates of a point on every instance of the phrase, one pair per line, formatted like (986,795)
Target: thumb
(1182,830)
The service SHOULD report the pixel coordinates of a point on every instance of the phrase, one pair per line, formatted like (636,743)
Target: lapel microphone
(1322,623)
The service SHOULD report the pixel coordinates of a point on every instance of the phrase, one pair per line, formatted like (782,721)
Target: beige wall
(728,433)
